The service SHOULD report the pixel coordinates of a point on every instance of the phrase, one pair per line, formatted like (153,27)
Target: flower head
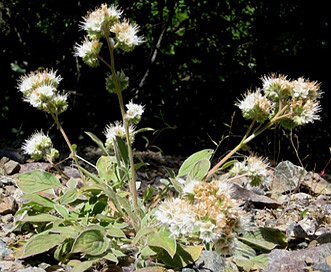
(98,22)
(39,89)
(126,35)
(134,112)
(178,215)
(123,80)
(89,51)
(255,106)
(116,130)
(256,169)
(39,146)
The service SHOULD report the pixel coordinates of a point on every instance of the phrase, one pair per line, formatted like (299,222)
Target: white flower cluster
(255,168)
(117,129)
(40,90)
(294,102)
(39,146)
(206,212)
(100,23)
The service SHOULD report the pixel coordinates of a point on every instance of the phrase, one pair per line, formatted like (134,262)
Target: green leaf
(40,218)
(42,201)
(37,181)
(143,232)
(199,169)
(91,242)
(265,239)
(79,266)
(69,196)
(189,163)
(41,243)
(62,211)
(123,150)
(105,166)
(97,141)
(115,232)
(184,256)
(163,240)
(110,257)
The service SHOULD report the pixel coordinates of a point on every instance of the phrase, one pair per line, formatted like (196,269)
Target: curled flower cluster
(116,130)
(39,146)
(208,213)
(100,23)
(291,102)
(40,90)
(256,169)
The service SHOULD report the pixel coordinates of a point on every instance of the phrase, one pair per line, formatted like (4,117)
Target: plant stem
(132,181)
(72,151)
(246,139)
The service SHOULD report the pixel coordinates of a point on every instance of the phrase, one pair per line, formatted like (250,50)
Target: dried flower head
(116,130)
(207,212)
(39,89)
(39,146)
(98,22)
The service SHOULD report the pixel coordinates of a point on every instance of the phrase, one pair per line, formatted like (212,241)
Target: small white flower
(126,34)
(116,129)
(40,90)
(207,232)
(98,22)
(39,146)
(89,51)
(134,112)
(177,215)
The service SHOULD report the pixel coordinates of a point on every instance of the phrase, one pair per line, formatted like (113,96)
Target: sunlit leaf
(69,196)
(163,240)
(37,181)
(42,201)
(265,239)
(91,242)
(184,256)
(199,169)
(41,243)
(189,163)
(40,218)
(97,141)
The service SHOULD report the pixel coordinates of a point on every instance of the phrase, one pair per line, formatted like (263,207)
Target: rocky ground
(296,202)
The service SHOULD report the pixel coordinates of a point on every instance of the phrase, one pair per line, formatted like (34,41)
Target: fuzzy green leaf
(184,256)
(79,266)
(41,243)
(40,218)
(105,166)
(199,169)
(91,242)
(115,232)
(97,141)
(265,239)
(143,232)
(37,181)
(69,196)
(62,211)
(163,240)
(189,163)
(42,201)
